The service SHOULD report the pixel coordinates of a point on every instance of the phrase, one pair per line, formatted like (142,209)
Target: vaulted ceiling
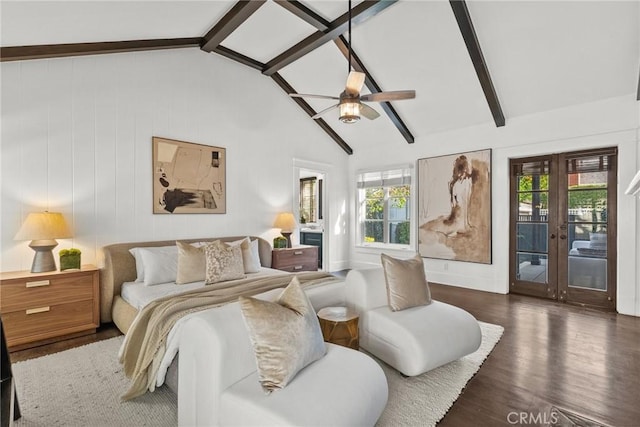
(471,63)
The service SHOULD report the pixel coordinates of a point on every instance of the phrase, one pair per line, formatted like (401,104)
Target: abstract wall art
(454,207)
(188,177)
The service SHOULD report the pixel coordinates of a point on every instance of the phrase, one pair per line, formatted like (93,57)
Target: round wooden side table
(340,326)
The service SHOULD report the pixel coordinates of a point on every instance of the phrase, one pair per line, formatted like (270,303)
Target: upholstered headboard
(120,266)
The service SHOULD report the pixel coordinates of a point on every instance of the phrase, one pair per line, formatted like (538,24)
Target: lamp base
(287,235)
(43,259)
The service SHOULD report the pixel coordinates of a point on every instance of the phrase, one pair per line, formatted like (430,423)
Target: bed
(122,308)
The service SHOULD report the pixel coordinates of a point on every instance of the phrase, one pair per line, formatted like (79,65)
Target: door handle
(553,236)
(562,236)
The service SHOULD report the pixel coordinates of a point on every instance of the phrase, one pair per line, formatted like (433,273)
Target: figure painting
(188,178)
(454,207)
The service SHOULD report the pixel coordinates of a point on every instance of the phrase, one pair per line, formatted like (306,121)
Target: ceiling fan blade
(395,95)
(354,82)
(317,115)
(368,112)
(305,95)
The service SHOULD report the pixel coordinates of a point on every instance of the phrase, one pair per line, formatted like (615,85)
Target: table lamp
(286,222)
(42,228)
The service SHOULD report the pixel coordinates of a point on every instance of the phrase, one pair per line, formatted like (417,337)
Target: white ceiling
(541,55)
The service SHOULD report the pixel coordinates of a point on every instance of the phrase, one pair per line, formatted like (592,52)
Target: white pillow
(160,264)
(139,264)
(250,254)
(252,258)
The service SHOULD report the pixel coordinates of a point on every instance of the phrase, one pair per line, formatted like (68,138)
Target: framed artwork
(188,177)
(454,207)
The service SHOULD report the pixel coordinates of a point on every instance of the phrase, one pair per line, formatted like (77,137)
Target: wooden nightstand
(298,258)
(40,308)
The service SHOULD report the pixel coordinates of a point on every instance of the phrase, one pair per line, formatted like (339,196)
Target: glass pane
(582,233)
(587,179)
(531,267)
(373,231)
(588,271)
(532,237)
(374,209)
(533,207)
(533,182)
(587,205)
(399,209)
(399,232)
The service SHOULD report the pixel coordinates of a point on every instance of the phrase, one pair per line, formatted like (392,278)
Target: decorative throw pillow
(406,282)
(223,262)
(160,264)
(191,263)
(285,334)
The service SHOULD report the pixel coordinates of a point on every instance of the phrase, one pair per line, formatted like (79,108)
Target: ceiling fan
(350,101)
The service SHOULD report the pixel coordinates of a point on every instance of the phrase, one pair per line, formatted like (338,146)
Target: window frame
(398,176)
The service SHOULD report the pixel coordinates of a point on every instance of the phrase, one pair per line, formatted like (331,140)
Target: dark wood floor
(551,354)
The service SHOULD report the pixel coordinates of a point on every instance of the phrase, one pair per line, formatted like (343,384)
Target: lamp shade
(285,221)
(43,226)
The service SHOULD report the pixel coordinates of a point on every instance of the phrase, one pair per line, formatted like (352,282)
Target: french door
(563,227)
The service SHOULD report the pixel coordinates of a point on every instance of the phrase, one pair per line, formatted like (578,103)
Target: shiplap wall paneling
(84,155)
(13,116)
(106,133)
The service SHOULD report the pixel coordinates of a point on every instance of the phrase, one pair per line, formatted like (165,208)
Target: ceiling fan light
(349,112)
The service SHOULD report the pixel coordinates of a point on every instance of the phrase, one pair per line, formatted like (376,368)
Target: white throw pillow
(160,264)
(250,254)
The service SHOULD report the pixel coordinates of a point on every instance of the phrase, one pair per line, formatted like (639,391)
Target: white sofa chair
(414,340)
(219,385)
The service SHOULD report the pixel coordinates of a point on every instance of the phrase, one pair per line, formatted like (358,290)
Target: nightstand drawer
(22,294)
(311,266)
(27,325)
(301,258)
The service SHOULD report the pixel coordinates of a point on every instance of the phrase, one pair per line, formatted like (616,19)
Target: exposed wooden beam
(465,24)
(243,59)
(250,62)
(304,13)
(373,86)
(360,13)
(311,112)
(311,17)
(21,53)
(229,22)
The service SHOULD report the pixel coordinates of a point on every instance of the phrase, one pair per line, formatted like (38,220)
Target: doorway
(311,207)
(563,227)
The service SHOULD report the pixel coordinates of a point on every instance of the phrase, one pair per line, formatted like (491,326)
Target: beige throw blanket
(144,344)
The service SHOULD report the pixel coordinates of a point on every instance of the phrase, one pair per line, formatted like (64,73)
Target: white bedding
(137,294)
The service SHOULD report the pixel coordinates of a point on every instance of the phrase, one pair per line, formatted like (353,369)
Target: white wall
(76,138)
(612,122)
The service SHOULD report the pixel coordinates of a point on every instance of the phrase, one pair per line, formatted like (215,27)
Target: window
(308,200)
(384,207)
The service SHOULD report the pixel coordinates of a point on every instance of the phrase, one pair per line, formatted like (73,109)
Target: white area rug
(82,387)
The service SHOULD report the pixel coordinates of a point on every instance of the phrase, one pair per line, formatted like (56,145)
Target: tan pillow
(223,262)
(285,334)
(406,282)
(191,263)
